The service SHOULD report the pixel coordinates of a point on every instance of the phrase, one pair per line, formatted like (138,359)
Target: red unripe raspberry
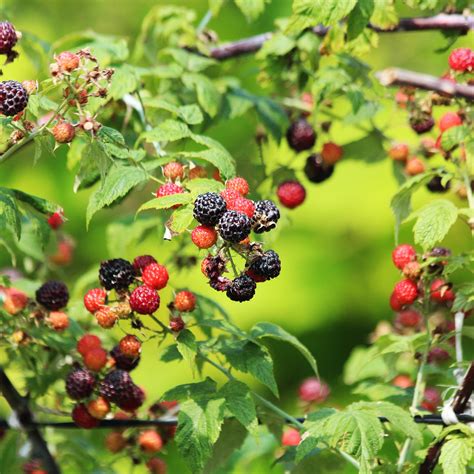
(203,236)
(238,184)
(14,300)
(313,390)
(291,194)
(461,59)
(414,166)
(437,355)
(431,399)
(230,195)
(168,189)
(64,132)
(150,441)
(95,359)
(403,97)
(173,171)
(98,408)
(156,466)
(395,304)
(441,291)
(83,418)
(106,318)
(405,292)
(64,253)
(130,346)
(67,61)
(87,343)
(56,220)
(449,120)
(428,146)
(331,153)
(115,441)
(155,276)
(58,320)
(308,101)
(33,466)
(185,301)
(243,205)
(144,300)
(412,270)
(197,172)
(403,254)
(291,437)
(177,324)
(141,262)
(409,318)
(402,381)
(94,299)
(399,152)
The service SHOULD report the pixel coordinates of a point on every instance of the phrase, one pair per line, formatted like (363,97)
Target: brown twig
(19,405)
(402,77)
(459,404)
(442,21)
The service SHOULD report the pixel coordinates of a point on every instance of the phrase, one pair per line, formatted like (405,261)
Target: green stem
(234,268)
(204,22)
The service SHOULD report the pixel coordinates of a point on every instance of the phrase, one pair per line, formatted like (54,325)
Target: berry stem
(204,22)
(234,268)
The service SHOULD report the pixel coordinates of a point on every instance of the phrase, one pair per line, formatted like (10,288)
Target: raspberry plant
(138,113)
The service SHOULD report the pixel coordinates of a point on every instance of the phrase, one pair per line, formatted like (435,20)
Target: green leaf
(252,9)
(169,130)
(385,15)
(124,81)
(240,403)
(273,331)
(369,148)
(166,202)
(454,136)
(278,45)
(215,6)
(190,61)
(44,144)
(113,142)
(202,185)
(191,114)
(39,204)
(456,453)
(434,221)
(10,215)
(207,94)
(359,18)
(464,300)
(198,390)
(171,354)
(96,155)
(187,346)
(118,182)
(181,219)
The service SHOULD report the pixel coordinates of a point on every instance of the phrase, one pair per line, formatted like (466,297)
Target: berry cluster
(226,220)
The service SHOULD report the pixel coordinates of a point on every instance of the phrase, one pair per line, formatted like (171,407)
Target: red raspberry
(155,276)
(238,184)
(115,441)
(313,390)
(58,320)
(141,262)
(87,343)
(56,220)
(83,418)
(94,299)
(405,292)
(216,174)
(130,346)
(168,189)
(291,437)
(331,153)
(64,132)
(95,359)
(412,270)
(403,97)
(449,120)
(409,318)
(230,195)
(243,205)
(203,236)
(402,381)
(64,253)
(438,355)
(414,166)
(403,254)
(98,408)
(150,441)
(13,300)
(106,318)
(67,61)
(197,172)
(395,303)
(185,301)
(428,146)
(156,466)
(399,152)
(177,324)
(308,101)
(173,171)
(144,300)
(461,59)
(431,399)
(291,194)
(441,291)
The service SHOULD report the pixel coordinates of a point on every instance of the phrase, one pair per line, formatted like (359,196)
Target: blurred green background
(337,272)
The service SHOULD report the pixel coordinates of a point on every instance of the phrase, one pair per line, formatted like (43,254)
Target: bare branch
(402,77)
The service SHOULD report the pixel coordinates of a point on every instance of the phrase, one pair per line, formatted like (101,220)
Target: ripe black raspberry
(301,135)
(209,208)
(422,123)
(267,266)
(435,185)
(316,170)
(234,226)
(122,361)
(80,384)
(241,289)
(265,217)
(53,295)
(8,37)
(131,399)
(116,273)
(13,98)
(115,385)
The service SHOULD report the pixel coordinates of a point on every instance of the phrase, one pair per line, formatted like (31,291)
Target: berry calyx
(95,359)
(83,418)
(241,289)
(173,171)
(144,300)
(402,255)
(185,301)
(106,317)
(64,132)
(331,153)
(449,120)
(441,292)
(203,236)
(234,226)
(130,346)
(13,98)
(53,295)
(238,184)
(155,276)
(291,437)
(461,59)
(209,208)
(87,343)
(399,152)
(117,274)
(291,194)
(405,292)
(313,390)
(150,441)
(301,135)
(94,299)
(56,220)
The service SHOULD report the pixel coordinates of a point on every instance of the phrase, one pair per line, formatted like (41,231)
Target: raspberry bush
(135,121)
